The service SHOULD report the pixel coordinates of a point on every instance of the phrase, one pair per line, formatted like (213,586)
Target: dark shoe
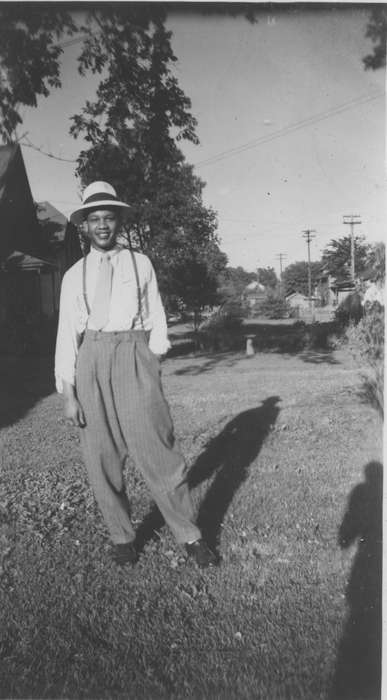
(124,553)
(202,554)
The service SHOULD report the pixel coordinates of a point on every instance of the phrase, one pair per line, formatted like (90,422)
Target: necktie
(101,303)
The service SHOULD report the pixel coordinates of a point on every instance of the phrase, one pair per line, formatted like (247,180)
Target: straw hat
(97,194)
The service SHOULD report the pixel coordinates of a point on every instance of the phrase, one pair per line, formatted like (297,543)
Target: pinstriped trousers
(119,387)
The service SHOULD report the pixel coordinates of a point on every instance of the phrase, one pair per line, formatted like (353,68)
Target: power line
(46,153)
(288,129)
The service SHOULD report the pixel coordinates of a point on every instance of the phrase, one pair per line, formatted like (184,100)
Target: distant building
(253,294)
(341,290)
(299,301)
(331,291)
(324,289)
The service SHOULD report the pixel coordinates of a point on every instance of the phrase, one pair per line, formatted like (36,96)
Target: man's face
(102,228)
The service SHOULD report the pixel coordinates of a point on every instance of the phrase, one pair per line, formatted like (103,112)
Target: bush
(222,330)
(350,311)
(274,307)
(366,343)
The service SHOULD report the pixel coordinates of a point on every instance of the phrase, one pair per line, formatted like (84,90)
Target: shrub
(222,330)
(349,311)
(366,343)
(274,307)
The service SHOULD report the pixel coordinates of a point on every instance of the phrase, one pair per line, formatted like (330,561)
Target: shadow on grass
(206,362)
(358,667)
(209,362)
(23,381)
(226,458)
(318,357)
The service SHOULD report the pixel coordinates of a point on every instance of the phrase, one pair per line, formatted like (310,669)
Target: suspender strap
(84,286)
(139,304)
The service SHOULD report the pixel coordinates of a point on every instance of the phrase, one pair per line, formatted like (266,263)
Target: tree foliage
(192,277)
(273,306)
(376,261)
(377,32)
(336,257)
(295,277)
(29,59)
(267,276)
(233,281)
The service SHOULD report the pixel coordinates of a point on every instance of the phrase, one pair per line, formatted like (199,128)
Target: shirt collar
(98,254)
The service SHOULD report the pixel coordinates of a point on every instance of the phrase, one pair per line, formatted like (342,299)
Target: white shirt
(123,314)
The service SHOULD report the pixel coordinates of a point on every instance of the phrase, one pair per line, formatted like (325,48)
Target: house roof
(19,224)
(53,221)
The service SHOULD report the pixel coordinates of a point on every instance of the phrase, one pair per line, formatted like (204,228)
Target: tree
(193,276)
(29,59)
(267,277)
(376,261)
(336,257)
(295,277)
(377,32)
(233,281)
(273,306)
(139,103)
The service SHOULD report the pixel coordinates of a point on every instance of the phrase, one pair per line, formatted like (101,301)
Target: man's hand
(72,408)
(73,412)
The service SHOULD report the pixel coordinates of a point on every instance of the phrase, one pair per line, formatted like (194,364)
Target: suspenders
(88,309)
(139,304)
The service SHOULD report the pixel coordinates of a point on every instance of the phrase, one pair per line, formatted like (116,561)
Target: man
(112,332)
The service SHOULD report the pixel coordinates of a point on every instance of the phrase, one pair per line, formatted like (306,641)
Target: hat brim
(78,215)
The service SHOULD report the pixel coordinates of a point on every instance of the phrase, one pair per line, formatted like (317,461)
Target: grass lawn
(286,474)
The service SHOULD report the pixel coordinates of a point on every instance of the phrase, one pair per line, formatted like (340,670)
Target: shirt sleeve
(68,338)
(158,340)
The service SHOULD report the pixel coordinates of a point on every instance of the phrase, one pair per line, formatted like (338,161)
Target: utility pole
(308,234)
(352,220)
(281,257)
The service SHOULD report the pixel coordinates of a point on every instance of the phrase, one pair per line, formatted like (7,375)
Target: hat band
(100,198)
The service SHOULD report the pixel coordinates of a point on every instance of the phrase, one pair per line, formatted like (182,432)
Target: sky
(291,128)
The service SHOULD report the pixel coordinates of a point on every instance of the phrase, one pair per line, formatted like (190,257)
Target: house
(341,290)
(332,291)
(299,301)
(37,244)
(62,249)
(324,289)
(19,227)
(253,294)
